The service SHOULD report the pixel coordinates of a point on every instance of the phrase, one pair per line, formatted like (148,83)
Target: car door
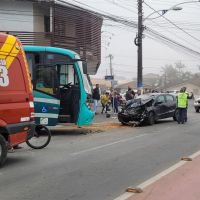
(170,105)
(160,107)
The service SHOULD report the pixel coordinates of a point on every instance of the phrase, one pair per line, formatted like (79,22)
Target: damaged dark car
(148,109)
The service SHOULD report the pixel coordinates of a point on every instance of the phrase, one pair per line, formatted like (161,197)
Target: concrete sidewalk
(181,181)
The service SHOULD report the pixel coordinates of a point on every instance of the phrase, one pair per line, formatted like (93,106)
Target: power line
(121,6)
(173,45)
(130,24)
(175,34)
(157,59)
(173,23)
(117,19)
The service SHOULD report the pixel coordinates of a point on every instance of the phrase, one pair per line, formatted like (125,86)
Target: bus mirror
(84,67)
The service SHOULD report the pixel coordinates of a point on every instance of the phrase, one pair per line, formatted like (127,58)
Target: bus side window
(64,75)
(76,79)
(37,59)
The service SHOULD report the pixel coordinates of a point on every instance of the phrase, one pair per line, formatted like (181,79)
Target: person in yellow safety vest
(182,103)
(105,100)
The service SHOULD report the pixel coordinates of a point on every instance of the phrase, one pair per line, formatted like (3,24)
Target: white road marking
(106,145)
(152,180)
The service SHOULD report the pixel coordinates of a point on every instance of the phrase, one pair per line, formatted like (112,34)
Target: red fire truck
(16,100)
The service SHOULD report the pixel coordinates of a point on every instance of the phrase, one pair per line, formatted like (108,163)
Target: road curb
(152,180)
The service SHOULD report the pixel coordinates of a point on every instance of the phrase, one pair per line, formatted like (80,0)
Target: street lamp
(164,11)
(139,36)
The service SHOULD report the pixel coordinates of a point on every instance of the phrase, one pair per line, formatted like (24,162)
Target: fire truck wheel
(3,150)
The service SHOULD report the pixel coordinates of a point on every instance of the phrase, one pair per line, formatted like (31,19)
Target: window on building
(47,24)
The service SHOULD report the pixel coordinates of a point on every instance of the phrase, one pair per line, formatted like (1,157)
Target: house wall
(39,12)
(16,16)
(70,28)
(79,31)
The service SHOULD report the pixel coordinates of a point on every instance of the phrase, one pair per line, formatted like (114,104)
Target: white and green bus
(62,92)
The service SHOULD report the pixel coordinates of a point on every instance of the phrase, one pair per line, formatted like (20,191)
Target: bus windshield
(45,79)
(86,83)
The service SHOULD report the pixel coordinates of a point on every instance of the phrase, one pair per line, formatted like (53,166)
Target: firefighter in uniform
(182,102)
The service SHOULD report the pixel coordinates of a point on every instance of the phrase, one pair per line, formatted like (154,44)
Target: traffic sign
(110,77)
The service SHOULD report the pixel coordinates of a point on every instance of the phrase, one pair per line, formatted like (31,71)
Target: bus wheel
(3,150)
(41,137)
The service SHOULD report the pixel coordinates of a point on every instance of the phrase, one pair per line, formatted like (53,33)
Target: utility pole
(138,43)
(111,69)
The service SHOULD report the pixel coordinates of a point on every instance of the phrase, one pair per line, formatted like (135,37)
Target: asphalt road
(97,166)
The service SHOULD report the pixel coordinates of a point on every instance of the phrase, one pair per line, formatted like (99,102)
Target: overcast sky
(118,40)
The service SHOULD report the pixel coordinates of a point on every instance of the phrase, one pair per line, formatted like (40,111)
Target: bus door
(74,94)
(86,114)
(69,93)
(45,90)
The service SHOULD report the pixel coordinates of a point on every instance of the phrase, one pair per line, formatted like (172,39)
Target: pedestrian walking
(96,97)
(130,94)
(114,101)
(182,102)
(139,92)
(105,101)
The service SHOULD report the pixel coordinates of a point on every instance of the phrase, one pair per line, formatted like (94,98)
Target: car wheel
(123,120)
(151,118)
(197,110)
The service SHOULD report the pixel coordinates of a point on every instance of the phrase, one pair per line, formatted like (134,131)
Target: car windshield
(145,97)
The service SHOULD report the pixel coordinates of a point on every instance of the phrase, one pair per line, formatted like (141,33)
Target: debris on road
(134,190)
(94,128)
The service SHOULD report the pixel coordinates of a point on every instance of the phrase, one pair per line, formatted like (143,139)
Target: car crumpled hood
(137,106)
(138,102)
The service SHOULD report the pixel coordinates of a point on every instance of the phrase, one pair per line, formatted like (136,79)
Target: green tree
(174,74)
